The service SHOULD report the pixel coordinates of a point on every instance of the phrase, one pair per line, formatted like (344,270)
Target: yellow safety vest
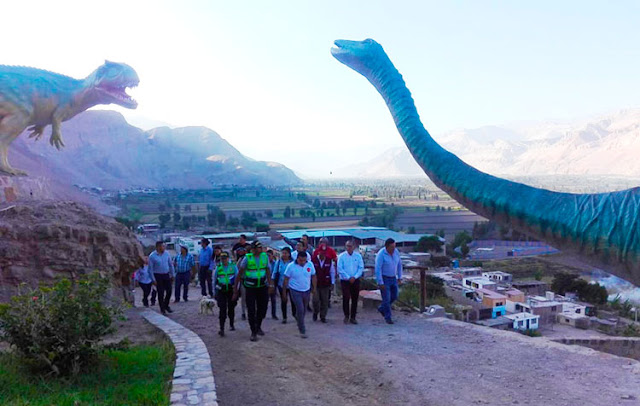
(255,274)
(225,276)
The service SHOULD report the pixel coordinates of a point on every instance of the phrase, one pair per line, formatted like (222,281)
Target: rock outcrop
(43,241)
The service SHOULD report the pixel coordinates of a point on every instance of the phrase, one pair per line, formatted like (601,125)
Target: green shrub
(59,328)
(531,333)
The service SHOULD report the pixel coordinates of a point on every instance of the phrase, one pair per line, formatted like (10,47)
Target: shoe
(380,311)
(275,317)
(169,310)
(346,320)
(244,316)
(323,320)
(232,328)
(284,321)
(185,299)
(315,316)
(353,321)
(221,333)
(303,335)
(153,303)
(163,312)
(260,332)
(176,301)
(389,321)
(253,338)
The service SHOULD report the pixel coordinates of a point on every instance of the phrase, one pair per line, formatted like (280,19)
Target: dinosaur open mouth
(120,94)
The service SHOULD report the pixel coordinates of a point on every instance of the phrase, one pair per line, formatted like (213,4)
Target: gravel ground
(414,362)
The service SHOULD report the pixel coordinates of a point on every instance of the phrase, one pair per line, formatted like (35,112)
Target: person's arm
(341,271)
(240,276)
(212,262)
(285,286)
(360,266)
(332,271)
(399,270)
(150,269)
(378,269)
(269,280)
(172,269)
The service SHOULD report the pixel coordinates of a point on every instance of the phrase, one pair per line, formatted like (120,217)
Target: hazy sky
(260,73)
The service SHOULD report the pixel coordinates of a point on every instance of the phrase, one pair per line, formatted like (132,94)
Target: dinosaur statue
(602,229)
(38,98)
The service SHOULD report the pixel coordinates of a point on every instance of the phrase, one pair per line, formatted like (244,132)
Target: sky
(262,76)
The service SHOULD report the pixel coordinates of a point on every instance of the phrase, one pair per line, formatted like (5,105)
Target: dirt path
(415,362)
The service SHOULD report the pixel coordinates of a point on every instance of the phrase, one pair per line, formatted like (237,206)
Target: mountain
(103,150)
(606,145)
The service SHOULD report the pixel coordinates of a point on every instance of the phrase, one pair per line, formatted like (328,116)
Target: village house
(524,321)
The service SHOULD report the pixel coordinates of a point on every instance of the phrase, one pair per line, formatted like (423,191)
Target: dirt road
(414,362)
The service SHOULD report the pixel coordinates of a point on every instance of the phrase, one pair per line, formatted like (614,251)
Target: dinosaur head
(364,57)
(111,81)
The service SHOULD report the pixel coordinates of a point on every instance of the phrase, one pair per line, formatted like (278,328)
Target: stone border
(193,382)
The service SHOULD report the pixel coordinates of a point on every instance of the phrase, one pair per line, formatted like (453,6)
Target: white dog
(206,305)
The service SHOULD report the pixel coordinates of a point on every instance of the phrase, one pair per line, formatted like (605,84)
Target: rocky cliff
(42,241)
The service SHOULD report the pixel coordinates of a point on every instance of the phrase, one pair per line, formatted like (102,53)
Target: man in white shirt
(300,278)
(350,269)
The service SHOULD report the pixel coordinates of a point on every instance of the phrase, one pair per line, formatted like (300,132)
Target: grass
(137,376)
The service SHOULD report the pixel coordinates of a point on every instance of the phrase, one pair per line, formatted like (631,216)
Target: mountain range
(103,150)
(606,145)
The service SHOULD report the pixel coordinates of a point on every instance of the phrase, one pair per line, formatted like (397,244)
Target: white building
(524,321)
(498,276)
(478,282)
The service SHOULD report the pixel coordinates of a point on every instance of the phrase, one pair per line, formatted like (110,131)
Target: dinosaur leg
(10,128)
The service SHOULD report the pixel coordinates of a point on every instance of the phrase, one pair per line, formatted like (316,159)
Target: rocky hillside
(41,241)
(103,150)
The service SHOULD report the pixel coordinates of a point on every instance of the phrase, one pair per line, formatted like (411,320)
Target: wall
(628,347)
(14,188)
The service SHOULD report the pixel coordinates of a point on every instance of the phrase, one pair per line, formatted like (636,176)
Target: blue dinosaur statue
(38,98)
(603,229)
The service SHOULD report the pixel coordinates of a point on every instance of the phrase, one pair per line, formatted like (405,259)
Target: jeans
(389,295)
(163,283)
(243,299)
(257,303)
(272,298)
(205,275)
(321,301)
(227,307)
(301,300)
(350,292)
(182,280)
(146,289)
(283,304)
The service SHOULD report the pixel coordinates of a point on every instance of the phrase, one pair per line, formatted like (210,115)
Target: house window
(518,307)
(499,303)
(578,311)
(468,283)
(521,323)
(553,309)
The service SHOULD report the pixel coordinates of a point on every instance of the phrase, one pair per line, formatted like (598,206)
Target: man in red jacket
(330,253)
(326,277)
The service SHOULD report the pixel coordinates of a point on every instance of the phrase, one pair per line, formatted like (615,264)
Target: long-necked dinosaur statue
(603,228)
(38,98)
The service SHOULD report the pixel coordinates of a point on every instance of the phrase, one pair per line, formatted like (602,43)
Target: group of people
(300,277)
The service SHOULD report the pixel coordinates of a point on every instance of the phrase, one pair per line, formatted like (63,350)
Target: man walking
(350,269)
(272,295)
(255,275)
(388,273)
(184,264)
(205,273)
(225,277)
(144,279)
(162,273)
(300,278)
(326,277)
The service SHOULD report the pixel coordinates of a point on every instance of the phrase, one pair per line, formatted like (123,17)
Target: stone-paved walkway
(193,382)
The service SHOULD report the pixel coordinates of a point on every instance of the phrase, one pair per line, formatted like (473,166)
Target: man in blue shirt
(184,264)
(205,274)
(162,273)
(350,269)
(388,272)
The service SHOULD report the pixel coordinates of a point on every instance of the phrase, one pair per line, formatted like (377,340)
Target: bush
(59,328)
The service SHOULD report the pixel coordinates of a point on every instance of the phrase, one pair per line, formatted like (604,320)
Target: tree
(261,227)
(589,292)
(268,213)
(460,238)
(464,248)
(287,212)
(161,208)
(412,230)
(164,219)
(176,217)
(429,243)
(221,218)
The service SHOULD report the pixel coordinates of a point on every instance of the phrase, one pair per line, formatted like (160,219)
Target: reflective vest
(255,274)
(225,276)
(323,273)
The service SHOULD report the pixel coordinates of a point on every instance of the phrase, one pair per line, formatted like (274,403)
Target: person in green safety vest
(225,277)
(255,275)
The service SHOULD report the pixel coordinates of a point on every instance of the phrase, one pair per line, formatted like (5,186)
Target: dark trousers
(389,295)
(283,304)
(146,289)
(182,280)
(205,276)
(350,292)
(227,307)
(257,303)
(272,298)
(321,301)
(301,299)
(163,283)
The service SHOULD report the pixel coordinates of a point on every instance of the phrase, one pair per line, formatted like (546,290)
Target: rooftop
(491,294)
(521,316)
